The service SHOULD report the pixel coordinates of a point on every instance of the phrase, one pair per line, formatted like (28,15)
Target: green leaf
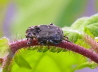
(87,31)
(93,28)
(82,43)
(79,23)
(91,65)
(21,62)
(4,47)
(91,23)
(96,39)
(93,19)
(73,35)
(45,62)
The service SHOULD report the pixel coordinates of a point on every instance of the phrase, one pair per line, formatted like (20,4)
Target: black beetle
(45,34)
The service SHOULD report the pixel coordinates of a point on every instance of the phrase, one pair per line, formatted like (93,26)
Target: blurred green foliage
(4,47)
(36,12)
(60,12)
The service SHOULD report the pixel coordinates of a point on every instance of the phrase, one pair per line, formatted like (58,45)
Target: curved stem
(66,45)
(7,62)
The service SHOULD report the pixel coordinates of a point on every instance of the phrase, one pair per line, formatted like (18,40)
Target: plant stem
(7,62)
(66,45)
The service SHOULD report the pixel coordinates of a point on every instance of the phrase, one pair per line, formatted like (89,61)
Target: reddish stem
(66,45)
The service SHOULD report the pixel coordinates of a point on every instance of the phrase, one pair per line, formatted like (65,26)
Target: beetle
(45,34)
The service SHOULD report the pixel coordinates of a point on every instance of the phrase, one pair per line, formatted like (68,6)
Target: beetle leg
(47,43)
(66,39)
(41,42)
(53,42)
(30,40)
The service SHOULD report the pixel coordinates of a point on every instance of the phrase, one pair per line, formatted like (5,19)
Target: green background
(17,15)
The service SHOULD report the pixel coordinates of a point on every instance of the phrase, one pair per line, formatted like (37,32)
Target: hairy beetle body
(45,34)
